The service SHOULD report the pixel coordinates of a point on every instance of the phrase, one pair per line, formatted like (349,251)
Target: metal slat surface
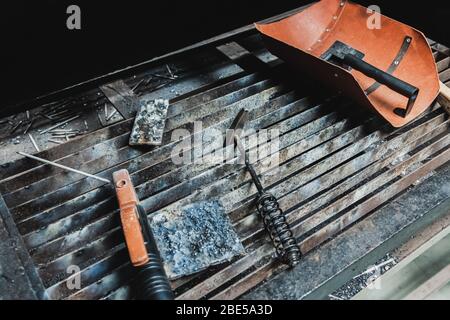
(25,208)
(176,122)
(171,178)
(67,241)
(204,288)
(337,164)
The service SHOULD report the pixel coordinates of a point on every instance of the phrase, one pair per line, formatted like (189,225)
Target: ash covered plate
(194,238)
(149,123)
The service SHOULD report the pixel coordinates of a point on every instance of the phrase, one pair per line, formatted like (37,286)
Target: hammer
(151,282)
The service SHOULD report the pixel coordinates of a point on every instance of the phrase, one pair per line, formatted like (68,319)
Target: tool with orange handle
(151,282)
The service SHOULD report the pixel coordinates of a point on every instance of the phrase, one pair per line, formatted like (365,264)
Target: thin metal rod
(106,111)
(60,124)
(29,126)
(54,141)
(63,167)
(34,142)
(111,115)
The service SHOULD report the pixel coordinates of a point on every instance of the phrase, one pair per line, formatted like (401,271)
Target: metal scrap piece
(122,98)
(149,123)
(194,238)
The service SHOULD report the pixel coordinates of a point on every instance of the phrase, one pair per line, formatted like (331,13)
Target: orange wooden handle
(129,217)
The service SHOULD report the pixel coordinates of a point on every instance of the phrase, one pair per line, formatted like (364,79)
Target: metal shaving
(195,238)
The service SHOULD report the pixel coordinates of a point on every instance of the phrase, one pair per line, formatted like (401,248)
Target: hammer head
(338,51)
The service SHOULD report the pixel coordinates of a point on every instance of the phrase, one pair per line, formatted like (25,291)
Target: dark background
(40,55)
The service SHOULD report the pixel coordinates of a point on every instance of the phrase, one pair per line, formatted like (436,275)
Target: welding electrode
(52,163)
(151,282)
(273,217)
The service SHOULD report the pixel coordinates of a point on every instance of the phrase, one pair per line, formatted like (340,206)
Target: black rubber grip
(151,282)
(385,78)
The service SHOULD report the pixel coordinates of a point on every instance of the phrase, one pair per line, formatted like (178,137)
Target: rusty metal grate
(338,164)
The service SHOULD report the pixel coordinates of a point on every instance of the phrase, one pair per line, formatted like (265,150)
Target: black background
(39,54)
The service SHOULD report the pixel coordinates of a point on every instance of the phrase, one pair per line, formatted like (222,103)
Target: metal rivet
(396,63)
(336,75)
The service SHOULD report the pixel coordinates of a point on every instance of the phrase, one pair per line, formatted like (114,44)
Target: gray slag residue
(198,236)
(149,124)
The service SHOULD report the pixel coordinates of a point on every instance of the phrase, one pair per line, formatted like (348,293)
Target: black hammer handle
(385,78)
(151,282)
